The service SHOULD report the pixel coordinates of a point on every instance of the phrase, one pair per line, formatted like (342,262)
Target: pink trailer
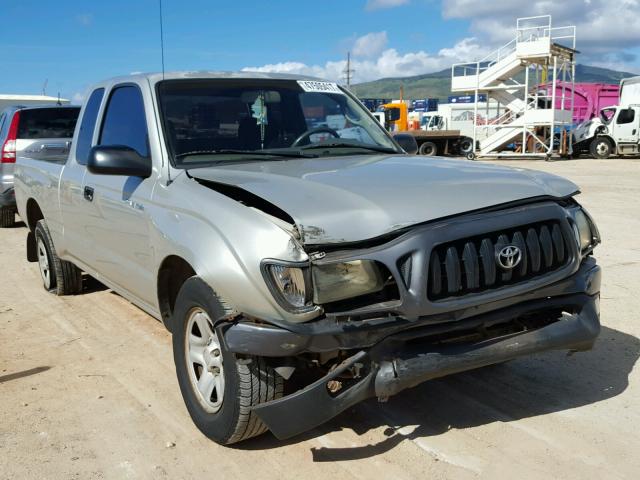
(590,98)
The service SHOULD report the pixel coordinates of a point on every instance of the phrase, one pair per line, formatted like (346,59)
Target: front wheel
(218,388)
(601,147)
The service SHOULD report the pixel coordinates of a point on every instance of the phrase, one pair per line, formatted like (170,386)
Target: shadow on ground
(90,285)
(19,224)
(528,387)
(24,373)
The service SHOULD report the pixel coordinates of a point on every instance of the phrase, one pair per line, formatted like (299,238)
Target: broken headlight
(339,281)
(585,230)
(294,285)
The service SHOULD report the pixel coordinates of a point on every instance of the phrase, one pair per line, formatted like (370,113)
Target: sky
(65,46)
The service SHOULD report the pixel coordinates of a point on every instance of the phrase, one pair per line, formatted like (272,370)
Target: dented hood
(352,198)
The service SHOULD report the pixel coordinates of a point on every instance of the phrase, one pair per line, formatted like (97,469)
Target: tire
(471,156)
(58,276)
(466,146)
(600,147)
(232,385)
(7,217)
(429,149)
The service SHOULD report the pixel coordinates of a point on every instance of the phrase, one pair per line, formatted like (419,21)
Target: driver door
(627,122)
(117,224)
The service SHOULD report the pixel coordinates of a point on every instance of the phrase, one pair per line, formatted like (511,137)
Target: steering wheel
(305,135)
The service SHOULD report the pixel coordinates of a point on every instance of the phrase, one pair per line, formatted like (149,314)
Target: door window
(625,116)
(124,121)
(88,125)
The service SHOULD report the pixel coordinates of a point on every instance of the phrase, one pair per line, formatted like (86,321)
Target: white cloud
(605,28)
(378,4)
(84,19)
(370,45)
(388,63)
(77,98)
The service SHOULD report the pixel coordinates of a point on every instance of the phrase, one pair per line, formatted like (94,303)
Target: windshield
(607,114)
(208,121)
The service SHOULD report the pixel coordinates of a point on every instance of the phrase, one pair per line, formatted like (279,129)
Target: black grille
(469,265)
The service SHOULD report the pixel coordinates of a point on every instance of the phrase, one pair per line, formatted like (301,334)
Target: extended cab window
(88,125)
(124,121)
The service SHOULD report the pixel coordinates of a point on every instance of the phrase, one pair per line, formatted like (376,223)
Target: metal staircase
(528,122)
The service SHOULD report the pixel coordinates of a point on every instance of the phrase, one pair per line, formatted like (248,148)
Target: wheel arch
(607,136)
(173,272)
(33,215)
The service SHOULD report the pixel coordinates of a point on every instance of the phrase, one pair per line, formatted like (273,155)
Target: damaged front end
(433,300)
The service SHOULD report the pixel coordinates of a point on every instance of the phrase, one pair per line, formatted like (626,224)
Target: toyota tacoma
(302,259)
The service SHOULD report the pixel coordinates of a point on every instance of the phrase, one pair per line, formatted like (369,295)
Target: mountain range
(438,84)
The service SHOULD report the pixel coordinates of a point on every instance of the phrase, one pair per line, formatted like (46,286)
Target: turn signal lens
(290,282)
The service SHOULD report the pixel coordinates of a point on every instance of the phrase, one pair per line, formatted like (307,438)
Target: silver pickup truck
(302,260)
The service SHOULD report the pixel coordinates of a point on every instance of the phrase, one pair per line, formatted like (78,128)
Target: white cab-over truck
(616,131)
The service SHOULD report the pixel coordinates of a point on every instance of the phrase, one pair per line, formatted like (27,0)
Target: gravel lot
(88,390)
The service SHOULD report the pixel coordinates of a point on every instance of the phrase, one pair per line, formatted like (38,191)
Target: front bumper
(401,356)
(408,367)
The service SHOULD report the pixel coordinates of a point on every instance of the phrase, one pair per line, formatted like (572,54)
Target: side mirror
(392,114)
(407,142)
(118,160)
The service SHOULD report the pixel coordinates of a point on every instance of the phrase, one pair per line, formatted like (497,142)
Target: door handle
(88,193)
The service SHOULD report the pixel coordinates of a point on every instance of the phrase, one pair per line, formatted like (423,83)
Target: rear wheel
(601,147)
(58,276)
(7,217)
(218,388)
(429,149)
(466,146)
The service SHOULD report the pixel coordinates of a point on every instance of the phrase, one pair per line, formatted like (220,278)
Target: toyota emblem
(509,257)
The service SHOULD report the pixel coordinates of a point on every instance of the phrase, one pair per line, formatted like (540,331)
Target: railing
(562,35)
(528,29)
(476,68)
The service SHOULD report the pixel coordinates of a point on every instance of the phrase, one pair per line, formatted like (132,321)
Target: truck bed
(428,134)
(38,176)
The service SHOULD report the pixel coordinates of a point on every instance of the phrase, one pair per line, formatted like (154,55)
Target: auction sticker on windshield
(321,87)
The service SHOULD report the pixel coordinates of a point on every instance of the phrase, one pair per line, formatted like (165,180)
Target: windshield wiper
(247,152)
(374,148)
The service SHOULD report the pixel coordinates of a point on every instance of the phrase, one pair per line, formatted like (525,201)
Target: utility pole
(348,72)
(44,87)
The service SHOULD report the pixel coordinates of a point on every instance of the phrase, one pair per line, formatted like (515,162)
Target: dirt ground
(88,390)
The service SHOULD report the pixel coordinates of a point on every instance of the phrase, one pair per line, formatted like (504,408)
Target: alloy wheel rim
(43,263)
(203,357)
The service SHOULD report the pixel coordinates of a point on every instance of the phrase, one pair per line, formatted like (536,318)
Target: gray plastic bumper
(314,405)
